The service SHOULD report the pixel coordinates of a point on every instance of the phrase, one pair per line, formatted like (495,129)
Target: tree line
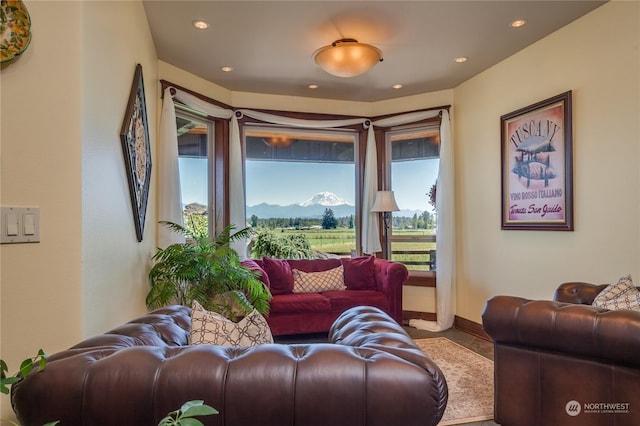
(425,220)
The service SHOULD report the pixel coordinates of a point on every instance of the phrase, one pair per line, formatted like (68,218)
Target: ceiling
(270,44)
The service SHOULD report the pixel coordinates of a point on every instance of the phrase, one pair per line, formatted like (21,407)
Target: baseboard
(459,323)
(470,327)
(409,315)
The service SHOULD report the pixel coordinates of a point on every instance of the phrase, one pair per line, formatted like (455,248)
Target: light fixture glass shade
(385,202)
(347,58)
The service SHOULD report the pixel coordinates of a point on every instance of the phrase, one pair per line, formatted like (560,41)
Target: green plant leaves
(197,408)
(288,246)
(201,269)
(185,415)
(25,368)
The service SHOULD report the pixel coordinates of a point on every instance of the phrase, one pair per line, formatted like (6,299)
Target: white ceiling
(270,43)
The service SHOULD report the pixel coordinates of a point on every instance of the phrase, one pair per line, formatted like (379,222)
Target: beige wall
(597,58)
(115,264)
(62,106)
(41,166)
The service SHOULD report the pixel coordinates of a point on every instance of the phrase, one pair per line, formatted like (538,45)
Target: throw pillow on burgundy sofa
(359,273)
(318,282)
(313,265)
(280,275)
(251,264)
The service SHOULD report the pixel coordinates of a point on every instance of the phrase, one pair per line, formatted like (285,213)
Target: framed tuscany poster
(537,166)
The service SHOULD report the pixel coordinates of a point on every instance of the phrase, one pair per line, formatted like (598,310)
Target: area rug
(469,378)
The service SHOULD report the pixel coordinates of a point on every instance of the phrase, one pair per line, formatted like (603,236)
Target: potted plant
(208,271)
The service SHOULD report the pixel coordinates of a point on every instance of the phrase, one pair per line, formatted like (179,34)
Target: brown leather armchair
(564,362)
(370,374)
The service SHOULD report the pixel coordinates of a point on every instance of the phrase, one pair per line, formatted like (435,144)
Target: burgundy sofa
(369,374)
(369,282)
(564,362)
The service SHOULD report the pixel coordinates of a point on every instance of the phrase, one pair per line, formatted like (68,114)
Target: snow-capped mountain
(324,199)
(312,207)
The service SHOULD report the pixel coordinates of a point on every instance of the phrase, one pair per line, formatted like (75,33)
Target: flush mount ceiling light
(201,25)
(347,57)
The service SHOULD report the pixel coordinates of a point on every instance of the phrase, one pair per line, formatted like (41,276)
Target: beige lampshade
(385,202)
(347,57)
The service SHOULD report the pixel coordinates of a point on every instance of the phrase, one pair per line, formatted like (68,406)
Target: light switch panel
(20,225)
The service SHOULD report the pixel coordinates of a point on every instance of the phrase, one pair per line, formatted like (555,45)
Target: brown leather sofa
(564,362)
(370,374)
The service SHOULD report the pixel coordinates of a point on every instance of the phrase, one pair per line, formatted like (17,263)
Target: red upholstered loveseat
(369,282)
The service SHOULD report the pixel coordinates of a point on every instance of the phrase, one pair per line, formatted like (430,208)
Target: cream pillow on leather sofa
(620,295)
(211,328)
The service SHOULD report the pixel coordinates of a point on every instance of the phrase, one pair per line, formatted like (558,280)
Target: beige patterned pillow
(620,295)
(211,328)
(317,282)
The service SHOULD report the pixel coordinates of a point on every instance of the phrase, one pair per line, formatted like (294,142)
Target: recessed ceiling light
(227,69)
(462,59)
(397,86)
(201,25)
(518,23)
(313,86)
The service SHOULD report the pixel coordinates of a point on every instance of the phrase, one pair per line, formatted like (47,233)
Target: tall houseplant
(208,271)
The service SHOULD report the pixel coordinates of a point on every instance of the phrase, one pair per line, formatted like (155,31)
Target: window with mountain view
(195,142)
(301,184)
(413,166)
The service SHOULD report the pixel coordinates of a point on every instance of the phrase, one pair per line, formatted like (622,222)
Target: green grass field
(343,241)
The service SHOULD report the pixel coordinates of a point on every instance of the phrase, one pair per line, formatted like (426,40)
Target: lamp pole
(385,203)
(386,218)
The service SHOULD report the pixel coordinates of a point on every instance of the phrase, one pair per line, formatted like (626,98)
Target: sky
(285,183)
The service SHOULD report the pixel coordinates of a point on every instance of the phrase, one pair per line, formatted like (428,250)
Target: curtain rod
(165,84)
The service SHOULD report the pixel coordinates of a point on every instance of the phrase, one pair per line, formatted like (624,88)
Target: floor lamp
(385,203)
